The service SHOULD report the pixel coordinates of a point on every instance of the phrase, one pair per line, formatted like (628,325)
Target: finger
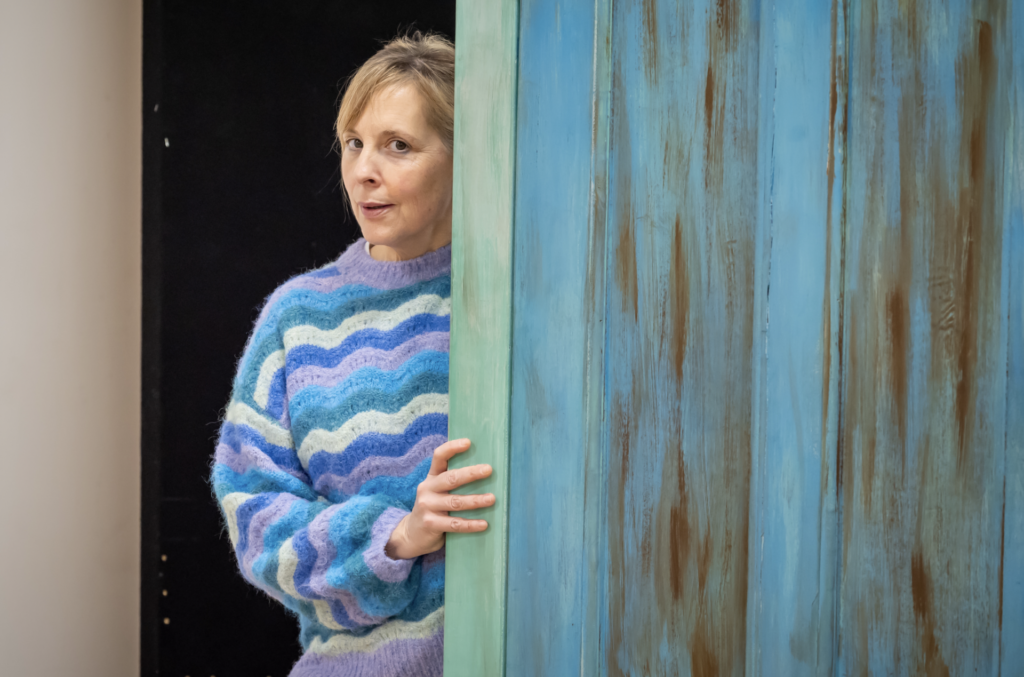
(464,526)
(444,453)
(453,502)
(453,479)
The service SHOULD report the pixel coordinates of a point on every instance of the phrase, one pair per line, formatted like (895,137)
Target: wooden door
(738,319)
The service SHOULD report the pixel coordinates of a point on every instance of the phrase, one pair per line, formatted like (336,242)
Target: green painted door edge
(480,367)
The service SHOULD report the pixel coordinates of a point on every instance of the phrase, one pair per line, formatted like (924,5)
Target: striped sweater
(340,399)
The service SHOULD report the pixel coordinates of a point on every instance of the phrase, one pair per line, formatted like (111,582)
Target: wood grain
(763,297)
(924,425)
(552,352)
(482,212)
(682,218)
(796,403)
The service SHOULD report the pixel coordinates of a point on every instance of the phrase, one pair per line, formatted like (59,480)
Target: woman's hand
(422,531)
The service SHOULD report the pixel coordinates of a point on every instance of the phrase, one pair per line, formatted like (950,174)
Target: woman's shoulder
(357,277)
(324,280)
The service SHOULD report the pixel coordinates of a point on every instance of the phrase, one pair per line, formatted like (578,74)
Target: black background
(240,191)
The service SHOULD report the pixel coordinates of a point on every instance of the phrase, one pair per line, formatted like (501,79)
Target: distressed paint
(553,347)
(482,212)
(925,360)
(1011,562)
(767,348)
(794,500)
(682,216)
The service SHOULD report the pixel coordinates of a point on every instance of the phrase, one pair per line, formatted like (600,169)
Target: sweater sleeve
(319,558)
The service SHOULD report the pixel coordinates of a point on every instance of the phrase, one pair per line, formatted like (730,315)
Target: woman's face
(398,175)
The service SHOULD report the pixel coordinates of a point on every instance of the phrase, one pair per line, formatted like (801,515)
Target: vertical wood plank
(557,479)
(925,339)
(1011,564)
(482,213)
(794,497)
(681,242)
(595,622)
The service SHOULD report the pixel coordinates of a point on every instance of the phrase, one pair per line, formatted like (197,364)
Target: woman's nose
(366,169)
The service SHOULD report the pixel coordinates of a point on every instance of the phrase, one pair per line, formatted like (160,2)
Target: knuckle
(456,524)
(452,479)
(455,502)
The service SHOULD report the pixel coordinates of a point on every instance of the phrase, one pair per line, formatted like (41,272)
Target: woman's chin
(376,234)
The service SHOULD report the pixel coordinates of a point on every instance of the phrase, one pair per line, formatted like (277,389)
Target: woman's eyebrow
(395,132)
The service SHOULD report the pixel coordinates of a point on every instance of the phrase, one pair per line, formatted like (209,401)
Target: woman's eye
(354,144)
(399,145)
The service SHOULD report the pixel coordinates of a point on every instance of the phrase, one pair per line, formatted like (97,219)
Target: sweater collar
(396,273)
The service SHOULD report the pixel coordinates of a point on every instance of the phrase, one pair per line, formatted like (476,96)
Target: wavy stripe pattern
(339,400)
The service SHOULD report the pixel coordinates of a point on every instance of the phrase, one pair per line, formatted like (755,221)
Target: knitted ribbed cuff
(386,569)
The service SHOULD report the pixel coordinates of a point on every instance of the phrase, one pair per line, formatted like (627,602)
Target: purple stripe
(399,658)
(355,612)
(386,569)
(319,284)
(278,508)
(320,540)
(251,457)
(387,360)
(379,466)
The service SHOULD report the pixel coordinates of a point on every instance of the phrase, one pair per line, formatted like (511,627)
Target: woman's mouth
(373,210)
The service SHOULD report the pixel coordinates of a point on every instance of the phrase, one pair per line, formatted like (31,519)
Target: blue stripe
(234,435)
(325,310)
(307,355)
(429,596)
(244,515)
(277,398)
(403,489)
(370,377)
(319,311)
(377,445)
(258,481)
(331,412)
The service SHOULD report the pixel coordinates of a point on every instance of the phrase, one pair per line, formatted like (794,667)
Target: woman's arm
(325,559)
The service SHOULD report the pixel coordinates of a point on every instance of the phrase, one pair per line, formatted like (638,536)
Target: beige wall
(70,106)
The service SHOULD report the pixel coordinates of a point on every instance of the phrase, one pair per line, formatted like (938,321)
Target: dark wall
(241,190)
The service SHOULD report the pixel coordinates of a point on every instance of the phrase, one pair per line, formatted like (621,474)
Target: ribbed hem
(391,274)
(395,649)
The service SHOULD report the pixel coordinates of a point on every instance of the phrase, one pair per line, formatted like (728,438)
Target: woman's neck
(380,252)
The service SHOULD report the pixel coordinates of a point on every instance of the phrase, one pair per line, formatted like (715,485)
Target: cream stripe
(231,504)
(287,562)
(383,320)
(384,634)
(271,365)
(242,414)
(323,614)
(371,421)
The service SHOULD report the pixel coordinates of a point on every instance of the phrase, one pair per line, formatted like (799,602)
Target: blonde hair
(427,61)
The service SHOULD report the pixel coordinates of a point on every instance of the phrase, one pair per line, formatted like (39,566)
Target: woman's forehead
(398,108)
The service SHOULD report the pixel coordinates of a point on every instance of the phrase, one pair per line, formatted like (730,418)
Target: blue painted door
(767,381)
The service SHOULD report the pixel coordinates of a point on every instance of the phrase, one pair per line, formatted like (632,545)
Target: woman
(332,465)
